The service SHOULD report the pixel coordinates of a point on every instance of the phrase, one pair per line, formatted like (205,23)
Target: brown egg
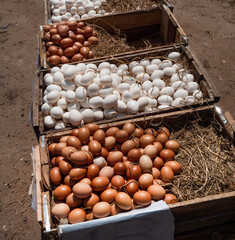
(58,159)
(104,153)
(78,45)
(127,163)
(146,163)
(68,181)
(170,198)
(129,127)
(95,147)
(53,31)
(107,172)
(49,44)
(120,168)
(101,209)
(85,51)
(99,136)
(159,147)
(63,139)
(63,30)
(136,140)
(66,42)
(75,132)
(146,139)
(158,163)
(125,159)
(60,210)
(162,138)
(114,157)
(73,201)
(72,25)
(64,60)
(47,37)
(93,40)
(65,167)
(123,201)
(72,36)
(157,181)
(157,192)
(139,132)
(80,38)
(51,149)
(172,145)
(81,24)
(109,142)
(66,151)
(82,190)
(89,215)
(167,175)
(91,55)
(55,176)
(56,25)
(80,158)
(100,183)
(127,146)
(62,192)
(151,131)
(84,135)
(145,180)
(164,130)
(86,180)
(74,142)
(112,131)
(77,215)
(133,171)
(53,162)
(143,198)
(167,155)
(78,31)
(56,39)
(121,136)
(53,50)
(117,181)
(54,60)
(86,44)
(46,28)
(93,171)
(141,151)
(70,51)
(88,31)
(150,151)
(77,173)
(175,166)
(131,187)
(156,173)
(91,201)
(134,155)
(92,127)
(115,210)
(108,195)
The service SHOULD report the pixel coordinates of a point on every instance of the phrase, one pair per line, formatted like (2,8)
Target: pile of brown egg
(69,42)
(98,173)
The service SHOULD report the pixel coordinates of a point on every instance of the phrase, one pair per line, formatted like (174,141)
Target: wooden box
(158,24)
(210,217)
(201,77)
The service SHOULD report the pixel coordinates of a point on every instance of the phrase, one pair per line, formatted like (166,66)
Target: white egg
(53,96)
(116,80)
(126,96)
(156,61)
(188,78)
(55,19)
(143,102)
(153,92)
(58,78)
(77,17)
(167,91)
(56,3)
(96,102)
(88,116)
(198,94)
(53,87)
(110,101)
(110,113)
(157,74)
(165,100)
(93,90)
(105,71)
(64,18)
(45,92)
(177,66)
(63,10)
(77,80)
(87,78)
(133,64)
(165,63)
(73,10)
(89,6)
(189,99)
(97,3)
(97,81)
(124,87)
(59,125)
(121,72)
(73,105)
(98,114)
(105,91)
(121,106)
(163,106)
(174,55)
(104,65)
(81,93)
(46,107)
(145,62)
(70,96)
(135,90)
(85,103)
(191,87)
(143,77)
(174,78)
(106,80)
(62,94)
(48,79)
(132,107)
(151,68)
(169,71)
(70,72)
(123,67)
(75,117)
(100,162)
(159,83)
(178,102)
(49,122)
(56,112)
(66,117)
(117,94)
(79,3)
(147,85)
(178,85)
(137,70)
(63,67)
(62,103)
(152,102)
(68,85)
(91,66)
(84,16)
(45,99)
(180,93)
(81,68)
(92,13)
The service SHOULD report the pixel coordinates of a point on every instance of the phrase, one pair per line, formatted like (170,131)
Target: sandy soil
(210,27)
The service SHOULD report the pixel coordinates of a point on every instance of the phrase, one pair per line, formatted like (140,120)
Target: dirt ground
(210,27)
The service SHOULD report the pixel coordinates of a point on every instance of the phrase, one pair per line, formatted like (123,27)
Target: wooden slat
(164,25)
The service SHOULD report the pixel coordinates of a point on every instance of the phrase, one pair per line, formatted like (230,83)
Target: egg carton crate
(210,95)
(203,217)
(148,29)
(102,8)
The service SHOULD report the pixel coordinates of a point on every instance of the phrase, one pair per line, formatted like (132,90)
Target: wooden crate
(159,22)
(200,218)
(209,92)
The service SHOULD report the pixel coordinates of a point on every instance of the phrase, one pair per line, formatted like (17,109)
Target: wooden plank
(164,25)
(46,11)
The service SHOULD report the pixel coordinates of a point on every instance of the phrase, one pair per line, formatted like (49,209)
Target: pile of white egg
(84,93)
(73,10)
